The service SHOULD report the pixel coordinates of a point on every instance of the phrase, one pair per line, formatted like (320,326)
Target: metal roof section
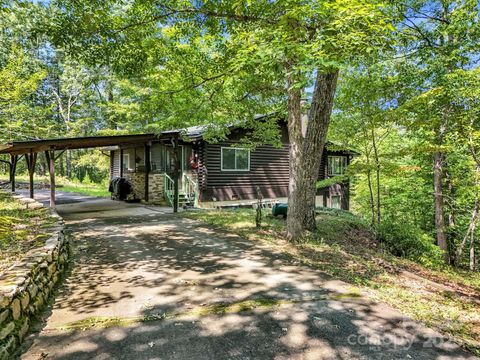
(25,147)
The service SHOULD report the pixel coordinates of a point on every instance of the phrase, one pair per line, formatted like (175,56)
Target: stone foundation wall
(155,186)
(138,184)
(26,286)
(155,182)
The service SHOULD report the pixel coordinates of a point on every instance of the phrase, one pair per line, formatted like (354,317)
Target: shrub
(409,242)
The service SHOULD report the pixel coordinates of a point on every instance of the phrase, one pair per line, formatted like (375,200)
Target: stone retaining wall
(26,286)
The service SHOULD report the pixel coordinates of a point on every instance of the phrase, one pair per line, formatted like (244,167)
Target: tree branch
(194,86)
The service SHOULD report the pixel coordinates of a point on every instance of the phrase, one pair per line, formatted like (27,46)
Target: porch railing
(168,189)
(187,191)
(190,189)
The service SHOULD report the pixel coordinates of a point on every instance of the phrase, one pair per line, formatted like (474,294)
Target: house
(221,172)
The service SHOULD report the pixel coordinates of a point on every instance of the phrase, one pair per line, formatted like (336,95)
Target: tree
(17,84)
(463,88)
(226,59)
(362,120)
(438,38)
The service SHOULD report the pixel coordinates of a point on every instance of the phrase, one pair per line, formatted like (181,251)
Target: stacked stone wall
(137,180)
(155,186)
(26,286)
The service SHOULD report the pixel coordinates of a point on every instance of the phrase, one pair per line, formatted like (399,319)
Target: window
(235,159)
(337,165)
(336,202)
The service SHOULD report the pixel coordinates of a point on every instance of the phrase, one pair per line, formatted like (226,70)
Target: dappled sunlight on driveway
(154,285)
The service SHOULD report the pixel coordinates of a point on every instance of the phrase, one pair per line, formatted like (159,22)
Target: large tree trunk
(377,173)
(473,262)
(451,194)
(370,188)
(61,167)
(439,206)
(68,162)
(306,151)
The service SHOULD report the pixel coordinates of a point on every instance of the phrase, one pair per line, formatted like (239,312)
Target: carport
(54,148)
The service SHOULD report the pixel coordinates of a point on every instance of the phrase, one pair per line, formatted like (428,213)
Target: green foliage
(409,242)
(91,167)
(331,181)
(17,84)
(401,107)
(76,68)
(215,63)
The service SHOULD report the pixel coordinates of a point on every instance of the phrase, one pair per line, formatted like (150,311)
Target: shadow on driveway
(177,289)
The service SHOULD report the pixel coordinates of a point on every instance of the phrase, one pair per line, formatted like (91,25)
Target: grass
(344,246)
(97,190)
(21,229)
(66,185)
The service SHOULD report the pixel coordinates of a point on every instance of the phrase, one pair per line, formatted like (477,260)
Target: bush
(409,242)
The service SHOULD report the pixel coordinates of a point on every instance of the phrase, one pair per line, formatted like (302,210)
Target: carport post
(13,169)
(147,169)
(31,160)
(50,155)
(121,162)
(176,174)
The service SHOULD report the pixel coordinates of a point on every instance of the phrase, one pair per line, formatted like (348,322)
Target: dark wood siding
(268,170)
(202,168)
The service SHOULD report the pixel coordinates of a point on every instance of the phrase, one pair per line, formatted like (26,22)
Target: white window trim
(233,148)
(336,156)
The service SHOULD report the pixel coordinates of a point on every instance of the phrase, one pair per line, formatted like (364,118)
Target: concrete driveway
(148,284)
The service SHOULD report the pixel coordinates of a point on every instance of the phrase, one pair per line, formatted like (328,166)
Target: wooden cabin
(220,173)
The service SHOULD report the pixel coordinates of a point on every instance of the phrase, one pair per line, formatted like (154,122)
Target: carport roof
(24,147)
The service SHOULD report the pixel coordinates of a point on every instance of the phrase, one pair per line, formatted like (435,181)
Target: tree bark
(50,156)
(31,160)
(439,206)
(451,193)
(13,170)
(370,188)
(112,123)
(68,163)
(473,263)
(377,173)
(306,152)
(470,230)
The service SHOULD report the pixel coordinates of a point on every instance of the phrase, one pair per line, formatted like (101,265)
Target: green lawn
(21,229)
(63,184)
(345,247)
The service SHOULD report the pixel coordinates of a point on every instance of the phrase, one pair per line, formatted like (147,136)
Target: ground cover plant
(21,229)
